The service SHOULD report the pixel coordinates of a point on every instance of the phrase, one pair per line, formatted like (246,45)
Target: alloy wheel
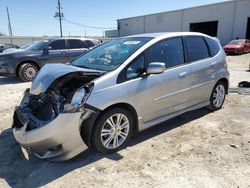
(219,95)
(115,131)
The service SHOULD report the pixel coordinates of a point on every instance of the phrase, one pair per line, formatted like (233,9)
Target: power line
(87,26)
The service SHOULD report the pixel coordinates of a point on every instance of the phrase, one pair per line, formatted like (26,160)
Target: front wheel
(218,96)
(112,130)
(27,72)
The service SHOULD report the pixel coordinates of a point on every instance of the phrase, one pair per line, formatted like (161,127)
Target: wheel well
(225,81)
(23,62)
(87,126)
(131,109)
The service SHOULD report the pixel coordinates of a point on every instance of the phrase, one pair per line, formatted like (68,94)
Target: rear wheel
(112,130)
(27,72)
(218,96)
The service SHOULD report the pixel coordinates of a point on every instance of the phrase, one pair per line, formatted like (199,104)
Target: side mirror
(47,49)
(155,68)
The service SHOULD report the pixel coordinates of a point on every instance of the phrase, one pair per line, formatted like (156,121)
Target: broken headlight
(79,98)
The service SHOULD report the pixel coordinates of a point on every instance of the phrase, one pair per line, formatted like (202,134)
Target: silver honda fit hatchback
(117,89)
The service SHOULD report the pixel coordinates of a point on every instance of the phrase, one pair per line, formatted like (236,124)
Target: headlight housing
(79,98)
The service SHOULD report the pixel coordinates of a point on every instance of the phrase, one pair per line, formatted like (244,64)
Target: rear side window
(196,48)
(58,45)
(76,44)
(169,51)
(213,46)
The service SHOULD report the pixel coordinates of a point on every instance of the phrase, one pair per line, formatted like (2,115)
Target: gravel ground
(196,149)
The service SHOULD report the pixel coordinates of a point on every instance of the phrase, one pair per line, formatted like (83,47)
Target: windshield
(38,45)
(25,46)
(110,55)
(237,42)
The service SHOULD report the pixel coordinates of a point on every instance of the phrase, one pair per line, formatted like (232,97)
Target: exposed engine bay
(38,110)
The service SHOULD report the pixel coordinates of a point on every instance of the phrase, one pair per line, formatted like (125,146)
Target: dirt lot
(197,149)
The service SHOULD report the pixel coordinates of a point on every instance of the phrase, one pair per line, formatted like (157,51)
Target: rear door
(202,66)
(76,48)
(57,53)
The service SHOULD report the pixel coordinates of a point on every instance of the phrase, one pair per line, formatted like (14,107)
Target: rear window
(213,46)
(196,48)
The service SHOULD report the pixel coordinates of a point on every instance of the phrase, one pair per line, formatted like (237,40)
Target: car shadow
(9,80)
(20,172)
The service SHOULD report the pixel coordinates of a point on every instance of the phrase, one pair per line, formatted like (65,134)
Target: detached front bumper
(58,139)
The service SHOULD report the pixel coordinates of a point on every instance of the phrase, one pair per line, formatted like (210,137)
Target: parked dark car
(25,63)
(239,46)
(7,46)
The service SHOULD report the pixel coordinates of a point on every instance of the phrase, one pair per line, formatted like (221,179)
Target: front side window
(196,48)
(136,68)
(58,45)
(169,51)
(110,55)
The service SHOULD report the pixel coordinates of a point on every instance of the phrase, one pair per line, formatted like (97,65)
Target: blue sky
(35,17)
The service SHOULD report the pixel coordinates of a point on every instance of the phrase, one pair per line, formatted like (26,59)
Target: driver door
(58,53)
(157,95)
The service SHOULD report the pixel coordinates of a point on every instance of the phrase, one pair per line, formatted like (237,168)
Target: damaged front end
(48,119)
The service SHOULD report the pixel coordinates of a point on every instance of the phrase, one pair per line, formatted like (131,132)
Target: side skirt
(145,125)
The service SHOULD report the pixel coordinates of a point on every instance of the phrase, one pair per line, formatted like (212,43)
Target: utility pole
(60,15)
(9,25)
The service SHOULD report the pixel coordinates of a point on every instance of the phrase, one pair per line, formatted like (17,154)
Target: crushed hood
(50,72)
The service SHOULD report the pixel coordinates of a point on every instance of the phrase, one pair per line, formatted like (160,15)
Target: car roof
(56,38)
(168,34)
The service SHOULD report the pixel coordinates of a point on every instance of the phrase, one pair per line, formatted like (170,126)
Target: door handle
(183,75)
(63,53)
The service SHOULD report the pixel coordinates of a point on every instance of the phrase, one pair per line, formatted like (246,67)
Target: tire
(27,72)
(218,96)
(112,139)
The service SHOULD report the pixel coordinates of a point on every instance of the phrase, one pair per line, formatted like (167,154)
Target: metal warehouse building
(227,20)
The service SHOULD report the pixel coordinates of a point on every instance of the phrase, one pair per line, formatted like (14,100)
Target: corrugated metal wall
(231,16)
(168,22)
(241,15)
(131,26)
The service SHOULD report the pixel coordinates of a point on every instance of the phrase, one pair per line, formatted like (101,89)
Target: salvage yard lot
(197,149)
